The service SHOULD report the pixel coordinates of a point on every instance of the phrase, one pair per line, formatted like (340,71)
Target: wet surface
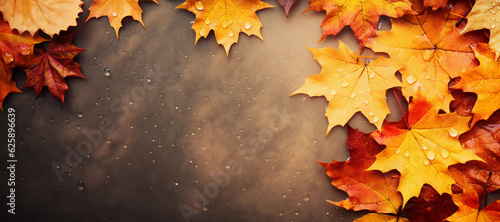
(163,130)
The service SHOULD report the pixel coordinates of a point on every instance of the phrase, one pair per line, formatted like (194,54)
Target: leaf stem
(463,17)
(401,108)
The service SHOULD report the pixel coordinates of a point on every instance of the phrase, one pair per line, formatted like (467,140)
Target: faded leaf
(423,150)
(51,16)
(227,19)
(431,50)
(287,4)
(350,85)
(55,64)
(367,190)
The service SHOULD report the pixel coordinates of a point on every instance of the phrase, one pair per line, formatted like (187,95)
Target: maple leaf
(373,217)
(469,204)
(435,4)
(430,47)
(484,16)
(227,19)
(51,16)
(7,85)
(367,190)
(55,64)
(361,15)
(431,207)
(350,85)
(422,148)
(484,140)
(116,10)
(483,80)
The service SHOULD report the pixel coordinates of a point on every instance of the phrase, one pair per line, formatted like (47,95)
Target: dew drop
(333,92)
(398,151)
(248,25)
(375,119)
(340,70)
(431,155)
(492,26)
(427,77)
(8,58)
(226,22)
(411,79)
(107,72)
(199,5)
(345,84)
(176,182)
(231,34)
(407,153)
(79,114)
(353,95)
(371,113)
(114,13)
(372,75)
(424,147)
(426,162)
(453,132)
(25,49)
(445,153)
(366,102)
(207,21)
(81,185)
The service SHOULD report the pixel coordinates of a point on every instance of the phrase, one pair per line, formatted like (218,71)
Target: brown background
(190,111)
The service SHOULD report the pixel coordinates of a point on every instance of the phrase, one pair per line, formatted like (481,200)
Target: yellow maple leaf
(422,148)
(350,85)
(51,16)
(431,50)
(227,19)
(485,15)
(116,10)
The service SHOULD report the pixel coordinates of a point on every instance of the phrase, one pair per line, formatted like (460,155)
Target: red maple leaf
(55,64)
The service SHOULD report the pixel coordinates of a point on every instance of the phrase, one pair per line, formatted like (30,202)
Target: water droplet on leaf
(199,5)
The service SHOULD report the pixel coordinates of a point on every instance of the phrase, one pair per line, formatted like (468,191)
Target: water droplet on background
(107,72)
(81,185)
(79,114)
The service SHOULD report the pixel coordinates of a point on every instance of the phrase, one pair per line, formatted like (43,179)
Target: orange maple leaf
(51,16)
(484,16)
(435,4)
(373,217)
(367,190)
(469,208)
(431,50)
(350,85)
(422,148)
(361,15)
(227,19)
(16,51)
(116,10)
(55,64)
(484,80)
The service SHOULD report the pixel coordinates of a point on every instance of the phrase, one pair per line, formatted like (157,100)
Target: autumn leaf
(350,85)
(361,15)
(51,16)
(431,207)
(116,10)
(484,140)
(373,217)
(227,19)
(484,80)
(55,64)
(484,16)
(469,208)
(287,4)
(423,148)
(435,4)
(431,50)
(463,103)
(7,85)
(367,190)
